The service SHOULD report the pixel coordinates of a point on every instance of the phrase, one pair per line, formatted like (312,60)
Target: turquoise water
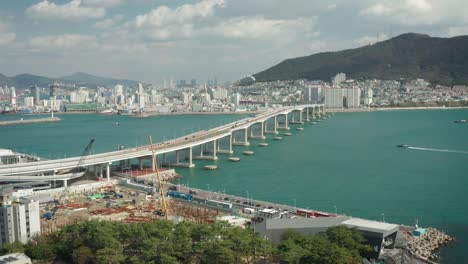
(349,161)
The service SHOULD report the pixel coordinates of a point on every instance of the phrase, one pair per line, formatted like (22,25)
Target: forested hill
(438,60)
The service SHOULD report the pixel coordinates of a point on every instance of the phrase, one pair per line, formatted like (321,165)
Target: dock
(29,121)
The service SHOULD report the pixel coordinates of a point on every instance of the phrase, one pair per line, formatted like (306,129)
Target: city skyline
(155,40)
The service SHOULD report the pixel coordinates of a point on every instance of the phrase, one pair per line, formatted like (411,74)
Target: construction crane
(85,153)
(165,208)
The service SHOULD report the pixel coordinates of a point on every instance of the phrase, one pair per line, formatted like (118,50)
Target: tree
(16,247)
(109,256)
(83,255)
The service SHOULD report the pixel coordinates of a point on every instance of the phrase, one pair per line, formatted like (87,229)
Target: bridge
(49,169)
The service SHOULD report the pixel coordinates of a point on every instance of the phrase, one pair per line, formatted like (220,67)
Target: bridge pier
(226,151)
(275,126)
(294,117)
(307,119)
(285,127)
(177,162)
(261,136)
(108,170)
(242,143)
(65,183)
(202,151)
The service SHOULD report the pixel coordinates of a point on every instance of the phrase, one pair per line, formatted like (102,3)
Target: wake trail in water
(440,150)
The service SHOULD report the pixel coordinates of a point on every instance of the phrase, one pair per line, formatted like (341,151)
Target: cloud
(108,22)
(103,3)
(369,40)
(72,11)
(70,42)
(6,37)
(407,12)
(163,15)
(260,27)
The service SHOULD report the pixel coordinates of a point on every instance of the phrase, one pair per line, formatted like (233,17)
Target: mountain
(26,80)
(438,60)
(91,80)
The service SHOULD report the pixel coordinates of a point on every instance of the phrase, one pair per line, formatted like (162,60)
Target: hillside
(438,60)
(26,80)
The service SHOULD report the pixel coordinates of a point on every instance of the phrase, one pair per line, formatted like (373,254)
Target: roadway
(198,138)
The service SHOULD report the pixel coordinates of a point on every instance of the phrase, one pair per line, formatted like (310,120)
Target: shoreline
(382,109)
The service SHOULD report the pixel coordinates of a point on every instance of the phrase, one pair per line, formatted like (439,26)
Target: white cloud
(163,15)
(369,40)
(6,37)
(260,27)
(73,11)
(103,3)
(332,6)
(104,24)
(70,42)
(407,12)
(457,31)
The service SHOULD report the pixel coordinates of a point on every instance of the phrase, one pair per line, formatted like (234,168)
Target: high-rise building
(235,98)
(35,92)
(352,97)
(220,94)
(313,94)
(333,97)
(339,78)
(28,102)
(368,96)
(141,96)
(52,89)
(13,98)
(19,221)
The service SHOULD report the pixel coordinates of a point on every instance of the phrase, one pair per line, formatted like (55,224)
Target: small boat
(248,152)
(403,146)
(116,124)
(313,122)
(299,128)
(461,121)
(263,144)
(107,111)
(288,134)
(210,167)
(234,159)
(278,138)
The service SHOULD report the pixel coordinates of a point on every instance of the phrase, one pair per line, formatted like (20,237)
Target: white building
(313,94)
(29,102)
(186,98)
(220,94)
(18,221)
(339,78)
(141,96)
(79,97)
(352,97)
(235,98)
(333,97)
(368,96)
(13,98)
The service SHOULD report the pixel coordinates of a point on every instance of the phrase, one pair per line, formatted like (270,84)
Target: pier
(29,121)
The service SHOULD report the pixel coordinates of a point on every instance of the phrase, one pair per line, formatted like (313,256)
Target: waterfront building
(13,98)
(141,96)
(368,97)
(352,97)
(19,221)
(313,94)
(333,97)
(35,92)
(28,102)
(236,98)
(186,98)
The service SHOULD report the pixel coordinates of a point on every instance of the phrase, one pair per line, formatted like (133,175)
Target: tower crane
(165,208)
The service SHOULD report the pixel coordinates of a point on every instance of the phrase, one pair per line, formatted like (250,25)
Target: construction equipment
(85,153)
(165,208)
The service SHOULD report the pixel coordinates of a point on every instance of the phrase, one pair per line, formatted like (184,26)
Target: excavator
(165,209)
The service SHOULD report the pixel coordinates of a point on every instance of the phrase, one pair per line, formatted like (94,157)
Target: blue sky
(150,40)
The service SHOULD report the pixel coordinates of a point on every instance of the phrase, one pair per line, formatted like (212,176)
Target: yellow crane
(165,208)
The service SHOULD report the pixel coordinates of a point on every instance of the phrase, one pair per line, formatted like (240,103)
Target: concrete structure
(15,258)
(28,102)
(352,97)
(333,98)
(19,221)
(48,168)
(313,94)
(378,234)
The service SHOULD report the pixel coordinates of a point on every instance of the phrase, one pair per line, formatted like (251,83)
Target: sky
(152,40)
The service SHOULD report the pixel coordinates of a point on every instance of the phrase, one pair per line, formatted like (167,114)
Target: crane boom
(161,189)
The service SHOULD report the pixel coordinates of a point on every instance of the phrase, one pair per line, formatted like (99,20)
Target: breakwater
(29,121)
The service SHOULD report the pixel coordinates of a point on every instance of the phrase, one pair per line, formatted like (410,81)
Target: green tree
(83,255)
(109,256)
(16,247)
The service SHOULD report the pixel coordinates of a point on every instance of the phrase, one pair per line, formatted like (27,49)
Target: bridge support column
(225,151)
(108,171)
(207,157)
(275,127)
(190,154)
(307,114)
(285,127)
(153,162)
(100,170)
(65,183)
(177,156)
(294,117)
(140,163)
(261,136)
(245,142)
